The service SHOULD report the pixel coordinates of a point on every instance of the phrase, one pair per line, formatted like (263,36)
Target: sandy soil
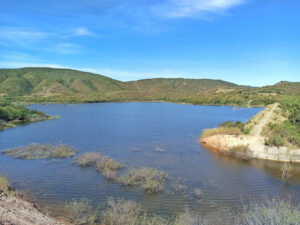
(14,211)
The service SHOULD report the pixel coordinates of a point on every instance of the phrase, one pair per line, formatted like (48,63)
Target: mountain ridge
(43,84)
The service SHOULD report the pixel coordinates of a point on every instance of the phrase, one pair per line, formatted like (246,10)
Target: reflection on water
(158,135)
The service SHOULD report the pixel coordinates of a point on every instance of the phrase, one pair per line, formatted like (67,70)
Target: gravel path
(256,131)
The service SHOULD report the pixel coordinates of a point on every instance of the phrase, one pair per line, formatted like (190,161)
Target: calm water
(130,133)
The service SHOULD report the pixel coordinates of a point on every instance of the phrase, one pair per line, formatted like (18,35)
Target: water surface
(130,133)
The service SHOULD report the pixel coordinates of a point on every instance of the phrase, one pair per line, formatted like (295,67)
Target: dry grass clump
(110,174)
(104,164)
(37,151)
(255,119)
(81,212)
(221,130)
(88,159)
(272,212)
(150,179)
(5,187)
(126,212)
(286,171)
(188,218)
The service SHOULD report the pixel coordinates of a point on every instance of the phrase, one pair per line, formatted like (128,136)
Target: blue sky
(251,42)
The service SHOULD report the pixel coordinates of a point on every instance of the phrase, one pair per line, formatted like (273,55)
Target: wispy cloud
(195,8)
(21,35)
(83,31)
(65,48)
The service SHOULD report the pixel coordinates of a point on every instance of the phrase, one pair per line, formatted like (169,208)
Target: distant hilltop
(66,85)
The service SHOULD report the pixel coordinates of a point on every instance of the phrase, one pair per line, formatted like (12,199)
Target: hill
(66,85)
(48,81)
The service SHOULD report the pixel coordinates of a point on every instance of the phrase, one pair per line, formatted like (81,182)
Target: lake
(131,133)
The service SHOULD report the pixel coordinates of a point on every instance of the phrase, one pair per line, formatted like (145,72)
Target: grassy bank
(12,115)
(283,128)
(228,127)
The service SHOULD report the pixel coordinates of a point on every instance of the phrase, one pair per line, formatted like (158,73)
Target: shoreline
(228,144)
(17,211)
(138,101)
(16,123)
(252,146)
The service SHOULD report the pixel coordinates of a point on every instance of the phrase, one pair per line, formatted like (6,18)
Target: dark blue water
(130,133)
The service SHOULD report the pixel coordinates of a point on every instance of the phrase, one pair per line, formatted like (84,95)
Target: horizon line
(99,74)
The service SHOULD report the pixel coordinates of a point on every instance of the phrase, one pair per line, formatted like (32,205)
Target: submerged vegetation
(150,180)
(37,151)
(81,212)
(127,212)
(271,212)
(104,164)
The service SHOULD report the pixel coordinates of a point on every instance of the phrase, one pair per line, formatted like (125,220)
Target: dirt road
(257,129)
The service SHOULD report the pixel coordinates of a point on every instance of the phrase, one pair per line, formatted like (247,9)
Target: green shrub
(275,140)
(20,113)
(229,123)
(283,134)
(10,113)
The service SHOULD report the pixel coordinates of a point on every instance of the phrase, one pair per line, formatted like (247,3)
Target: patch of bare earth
(15,211)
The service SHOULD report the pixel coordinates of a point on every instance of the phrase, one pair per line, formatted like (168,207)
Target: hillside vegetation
(65,85)
(11,115)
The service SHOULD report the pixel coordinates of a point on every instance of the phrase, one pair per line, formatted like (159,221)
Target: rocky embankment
(252,145)
(15,211)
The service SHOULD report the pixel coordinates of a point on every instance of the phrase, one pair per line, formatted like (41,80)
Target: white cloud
(65,48)
(83,31)
(195,8)
(21,36)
